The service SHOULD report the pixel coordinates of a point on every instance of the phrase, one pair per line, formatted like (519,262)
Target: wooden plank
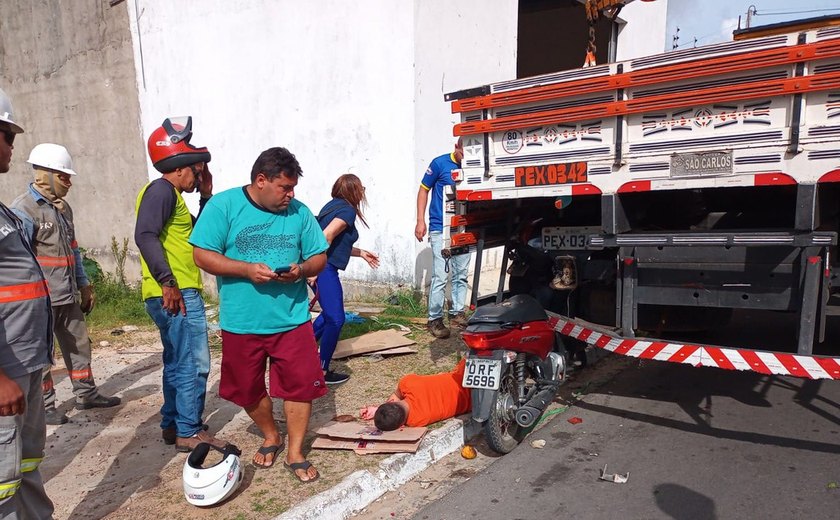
(371,342)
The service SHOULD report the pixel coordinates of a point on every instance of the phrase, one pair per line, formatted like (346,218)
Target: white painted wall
(352,86)
(458,45)
(645,30)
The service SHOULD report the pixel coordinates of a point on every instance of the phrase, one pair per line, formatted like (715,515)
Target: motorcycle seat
(521,308)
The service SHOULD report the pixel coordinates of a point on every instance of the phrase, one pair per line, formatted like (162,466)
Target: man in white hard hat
(48,221)
(25,350)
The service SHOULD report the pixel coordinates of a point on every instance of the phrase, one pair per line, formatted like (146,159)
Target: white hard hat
(53,157)
(210,486)
(6,112)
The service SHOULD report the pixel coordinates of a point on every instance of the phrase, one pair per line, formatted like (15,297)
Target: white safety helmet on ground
(53,157)
(6,113)
(210,486)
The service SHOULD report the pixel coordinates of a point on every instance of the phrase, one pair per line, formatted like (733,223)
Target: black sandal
(274,449)
(305,465)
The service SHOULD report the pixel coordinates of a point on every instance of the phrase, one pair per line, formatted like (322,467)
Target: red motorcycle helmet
(170,148)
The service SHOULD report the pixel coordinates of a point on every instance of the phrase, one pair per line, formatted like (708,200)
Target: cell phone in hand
(283,269)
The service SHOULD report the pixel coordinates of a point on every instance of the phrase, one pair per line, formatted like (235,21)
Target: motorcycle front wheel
(500,430)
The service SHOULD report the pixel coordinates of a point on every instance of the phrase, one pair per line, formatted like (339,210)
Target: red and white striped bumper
(810,367)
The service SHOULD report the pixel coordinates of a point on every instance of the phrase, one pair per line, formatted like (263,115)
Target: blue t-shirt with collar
(438,175)
(338,255)
(235,226)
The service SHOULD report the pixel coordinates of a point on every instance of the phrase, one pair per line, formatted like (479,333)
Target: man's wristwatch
(170,283)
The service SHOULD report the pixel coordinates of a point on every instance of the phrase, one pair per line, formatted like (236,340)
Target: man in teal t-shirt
(243,236)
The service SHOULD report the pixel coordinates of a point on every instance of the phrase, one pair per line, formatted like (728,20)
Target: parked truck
(669,193)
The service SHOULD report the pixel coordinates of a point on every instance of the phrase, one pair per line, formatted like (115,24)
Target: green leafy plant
(120,254)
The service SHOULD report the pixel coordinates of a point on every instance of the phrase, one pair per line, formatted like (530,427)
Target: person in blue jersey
(338,220)
(438,175)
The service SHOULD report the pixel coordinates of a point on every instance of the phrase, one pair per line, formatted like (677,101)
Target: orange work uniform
(435,397)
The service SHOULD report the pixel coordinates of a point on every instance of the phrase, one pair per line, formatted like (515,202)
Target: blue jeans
(186,362)
(327,325)
(458,268)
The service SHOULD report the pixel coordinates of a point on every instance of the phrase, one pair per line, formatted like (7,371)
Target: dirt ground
(112,463)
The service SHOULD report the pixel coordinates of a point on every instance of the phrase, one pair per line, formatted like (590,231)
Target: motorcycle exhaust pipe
(527,414)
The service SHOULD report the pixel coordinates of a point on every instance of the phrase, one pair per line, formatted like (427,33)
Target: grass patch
(400,307)
(351,330)
(117,304)
(404,303)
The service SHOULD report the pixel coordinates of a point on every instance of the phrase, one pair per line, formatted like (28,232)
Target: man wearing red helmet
(172,282)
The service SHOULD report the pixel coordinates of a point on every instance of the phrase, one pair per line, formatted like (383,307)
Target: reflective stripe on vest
(24,291)
(81,374)
(27,465)
(56,261)
(7,490)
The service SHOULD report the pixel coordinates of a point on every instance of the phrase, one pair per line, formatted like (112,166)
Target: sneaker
(187,444)
(438,329)
(170,435)
(55,418)
(97,401)
(458,320)
(334,378)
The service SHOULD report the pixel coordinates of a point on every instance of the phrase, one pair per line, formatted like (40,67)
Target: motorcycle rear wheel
(500,430)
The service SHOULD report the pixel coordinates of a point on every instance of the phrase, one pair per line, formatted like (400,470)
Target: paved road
(698,443)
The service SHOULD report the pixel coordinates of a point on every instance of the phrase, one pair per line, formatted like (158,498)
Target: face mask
(49,185)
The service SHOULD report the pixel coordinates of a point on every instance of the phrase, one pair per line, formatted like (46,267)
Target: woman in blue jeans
(338,220)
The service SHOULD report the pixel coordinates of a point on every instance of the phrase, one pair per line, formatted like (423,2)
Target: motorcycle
(515,366)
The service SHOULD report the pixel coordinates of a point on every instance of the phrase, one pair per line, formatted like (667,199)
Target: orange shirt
(435,397)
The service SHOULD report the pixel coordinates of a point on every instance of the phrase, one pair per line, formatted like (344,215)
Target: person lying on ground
(422,400)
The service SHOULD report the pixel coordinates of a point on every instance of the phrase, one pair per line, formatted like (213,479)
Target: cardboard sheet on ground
(395,351)
(369,432)
(363,447)
(371,342)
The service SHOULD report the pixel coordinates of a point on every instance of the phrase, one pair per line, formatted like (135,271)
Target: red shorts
(294,366)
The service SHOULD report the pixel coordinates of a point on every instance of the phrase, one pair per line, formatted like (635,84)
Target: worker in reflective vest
(25,350)
(48,221)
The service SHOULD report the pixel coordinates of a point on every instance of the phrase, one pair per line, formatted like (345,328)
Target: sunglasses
(9,137)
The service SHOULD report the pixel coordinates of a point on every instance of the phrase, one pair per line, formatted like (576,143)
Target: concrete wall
(68,67)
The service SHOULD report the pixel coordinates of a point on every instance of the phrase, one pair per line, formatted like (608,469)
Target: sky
(712,21)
